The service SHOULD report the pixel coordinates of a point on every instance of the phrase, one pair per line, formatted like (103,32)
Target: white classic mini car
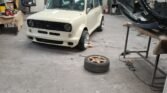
(66,23)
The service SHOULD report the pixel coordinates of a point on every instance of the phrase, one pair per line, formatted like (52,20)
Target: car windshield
(66,4)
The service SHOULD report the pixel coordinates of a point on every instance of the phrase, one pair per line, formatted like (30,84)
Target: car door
(91,21)
(98,10)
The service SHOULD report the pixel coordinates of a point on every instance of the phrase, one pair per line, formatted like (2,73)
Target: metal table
(161,48)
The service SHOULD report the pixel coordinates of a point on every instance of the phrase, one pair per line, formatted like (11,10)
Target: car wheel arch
(101,18)
(80,30)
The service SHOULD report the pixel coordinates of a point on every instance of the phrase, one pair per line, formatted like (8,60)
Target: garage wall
(39,6)
(104,3)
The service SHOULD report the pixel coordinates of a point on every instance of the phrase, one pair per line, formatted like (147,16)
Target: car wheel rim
(97,59)
(86,41)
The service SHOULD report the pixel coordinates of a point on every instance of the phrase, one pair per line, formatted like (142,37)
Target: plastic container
(2,7)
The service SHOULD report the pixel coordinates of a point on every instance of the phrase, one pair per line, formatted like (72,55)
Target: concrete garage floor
(26,67)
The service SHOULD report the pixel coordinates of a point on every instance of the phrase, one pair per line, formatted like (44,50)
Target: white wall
(39,6)
(104,3)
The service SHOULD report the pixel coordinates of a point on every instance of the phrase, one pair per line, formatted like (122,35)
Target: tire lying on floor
(96,63)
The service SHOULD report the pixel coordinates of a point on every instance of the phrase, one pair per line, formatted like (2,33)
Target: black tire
(100,28)
(96,67)
(81,46)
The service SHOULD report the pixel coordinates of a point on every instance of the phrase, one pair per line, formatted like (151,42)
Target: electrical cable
(160,18)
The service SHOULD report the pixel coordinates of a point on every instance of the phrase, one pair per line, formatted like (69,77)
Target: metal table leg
(148,47)
(126,41)
(155,68)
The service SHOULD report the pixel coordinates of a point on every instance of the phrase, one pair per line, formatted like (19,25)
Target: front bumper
(58,38)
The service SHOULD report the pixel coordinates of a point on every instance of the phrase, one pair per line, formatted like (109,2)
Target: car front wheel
(84,41)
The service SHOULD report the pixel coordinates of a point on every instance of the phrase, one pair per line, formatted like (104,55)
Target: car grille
(47,25)
(49,41)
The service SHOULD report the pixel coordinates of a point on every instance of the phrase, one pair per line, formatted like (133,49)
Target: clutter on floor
(9,14)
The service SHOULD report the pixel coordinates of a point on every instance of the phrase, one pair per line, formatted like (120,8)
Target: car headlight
(30,23)
(68,27)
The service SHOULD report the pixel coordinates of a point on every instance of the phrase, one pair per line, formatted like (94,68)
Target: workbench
(160,48)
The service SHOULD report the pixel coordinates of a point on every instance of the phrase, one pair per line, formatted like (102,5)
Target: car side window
(96,3)
(90,4)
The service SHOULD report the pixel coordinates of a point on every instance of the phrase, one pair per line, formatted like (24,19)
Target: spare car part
(97,63)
